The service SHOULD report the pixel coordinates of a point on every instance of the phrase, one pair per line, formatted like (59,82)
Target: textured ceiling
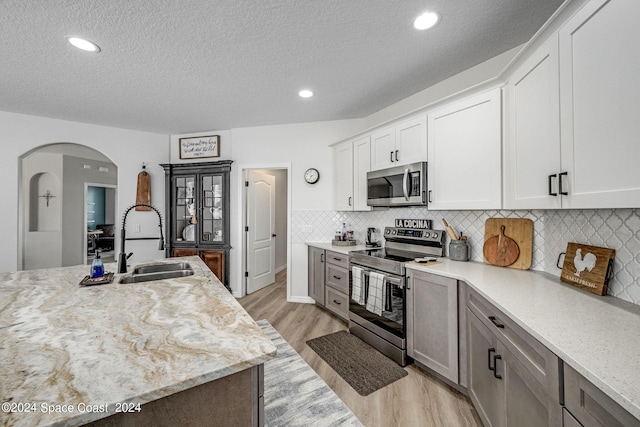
(180,66)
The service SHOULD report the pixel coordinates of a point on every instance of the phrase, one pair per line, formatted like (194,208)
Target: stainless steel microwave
(398,186)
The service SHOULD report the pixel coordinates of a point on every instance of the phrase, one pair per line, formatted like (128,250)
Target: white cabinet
(599,92)
(383,147)
(351,162)
(532,148)
(400,144)
(432,323)
(464,150)
(361,165)
(573,115)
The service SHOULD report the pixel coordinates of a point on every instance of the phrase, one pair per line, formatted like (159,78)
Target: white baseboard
(282,267)
(305,300)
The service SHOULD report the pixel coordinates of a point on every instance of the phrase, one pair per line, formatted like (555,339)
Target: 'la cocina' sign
(414,223)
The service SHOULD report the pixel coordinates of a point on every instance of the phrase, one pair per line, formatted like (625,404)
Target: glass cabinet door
(212,223)
(185,204)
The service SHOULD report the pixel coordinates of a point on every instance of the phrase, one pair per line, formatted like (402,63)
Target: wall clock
(312,175)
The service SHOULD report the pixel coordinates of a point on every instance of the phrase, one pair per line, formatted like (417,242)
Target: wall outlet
(136,228)
(307,228)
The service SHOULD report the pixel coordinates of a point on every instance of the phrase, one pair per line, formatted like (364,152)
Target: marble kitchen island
(183,349)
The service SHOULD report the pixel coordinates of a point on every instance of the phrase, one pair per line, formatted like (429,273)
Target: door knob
(273,235)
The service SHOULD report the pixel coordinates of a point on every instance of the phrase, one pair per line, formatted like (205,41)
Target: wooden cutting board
(143,194)
(520,230)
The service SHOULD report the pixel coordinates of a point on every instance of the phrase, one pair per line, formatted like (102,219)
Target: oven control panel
(414,234)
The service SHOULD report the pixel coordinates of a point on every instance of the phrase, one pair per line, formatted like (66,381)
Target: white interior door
(261,225)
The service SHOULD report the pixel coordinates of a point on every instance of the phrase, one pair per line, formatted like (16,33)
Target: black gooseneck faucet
(122,257)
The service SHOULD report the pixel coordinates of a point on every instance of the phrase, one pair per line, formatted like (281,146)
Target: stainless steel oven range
(377,282)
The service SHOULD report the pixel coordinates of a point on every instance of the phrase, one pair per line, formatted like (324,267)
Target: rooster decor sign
(588,267)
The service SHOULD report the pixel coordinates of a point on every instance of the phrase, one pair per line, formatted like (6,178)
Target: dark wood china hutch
(197,204)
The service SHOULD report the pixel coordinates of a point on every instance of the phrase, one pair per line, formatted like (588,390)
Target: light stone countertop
(596,335)
(63,344)
(344,250)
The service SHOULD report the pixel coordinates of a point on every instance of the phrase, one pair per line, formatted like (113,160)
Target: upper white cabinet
(600,107)
(400,144)
(361,165)
(383,147)
(465,168)
(351,162)
(573,115)
(532,148)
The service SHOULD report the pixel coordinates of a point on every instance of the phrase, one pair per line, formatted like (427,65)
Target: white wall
(74,176)
(302,145)
(295,146)
(126,149)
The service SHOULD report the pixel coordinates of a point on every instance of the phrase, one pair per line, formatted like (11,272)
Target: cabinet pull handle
(397,155)
(336,302)
(564,193)
(337,259)
(495,366)
(322,257)
(495,322)
(391,156)
(349,200)
(336,277)
(491,350)
(429,196)
(551,193)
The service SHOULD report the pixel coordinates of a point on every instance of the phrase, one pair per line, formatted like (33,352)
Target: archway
(52,202)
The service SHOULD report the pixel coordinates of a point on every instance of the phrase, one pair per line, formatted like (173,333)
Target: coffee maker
(372,238)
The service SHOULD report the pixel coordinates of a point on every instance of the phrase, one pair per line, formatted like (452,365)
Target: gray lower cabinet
(316,274)
(337,284)
(432,323)
(513,379)
(328,280)
(587,406)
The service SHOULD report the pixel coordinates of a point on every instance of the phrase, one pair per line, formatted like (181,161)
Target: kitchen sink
(156,268)
(150,272)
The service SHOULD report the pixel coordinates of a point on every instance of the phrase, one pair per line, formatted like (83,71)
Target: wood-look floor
(415,400)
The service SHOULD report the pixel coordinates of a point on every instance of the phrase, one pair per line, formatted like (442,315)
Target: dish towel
(356,285)
(375,301)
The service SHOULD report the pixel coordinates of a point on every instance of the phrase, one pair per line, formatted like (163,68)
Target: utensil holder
(459,250)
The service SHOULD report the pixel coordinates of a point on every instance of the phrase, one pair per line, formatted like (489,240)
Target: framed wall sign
(200,147)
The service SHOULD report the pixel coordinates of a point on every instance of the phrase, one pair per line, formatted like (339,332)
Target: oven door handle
(388,278)
(404,184)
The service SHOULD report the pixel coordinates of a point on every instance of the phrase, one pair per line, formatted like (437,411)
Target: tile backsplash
(618,229)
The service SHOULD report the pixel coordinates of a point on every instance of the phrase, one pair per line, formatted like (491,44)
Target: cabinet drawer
(337,302)
(534,356)
(338,259)
(591,406)
(338,278)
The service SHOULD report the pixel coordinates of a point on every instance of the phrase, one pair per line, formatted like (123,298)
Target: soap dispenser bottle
(97,268)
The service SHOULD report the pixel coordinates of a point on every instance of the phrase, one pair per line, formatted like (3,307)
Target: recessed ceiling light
(305,93)
(83,44)
(426,21)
